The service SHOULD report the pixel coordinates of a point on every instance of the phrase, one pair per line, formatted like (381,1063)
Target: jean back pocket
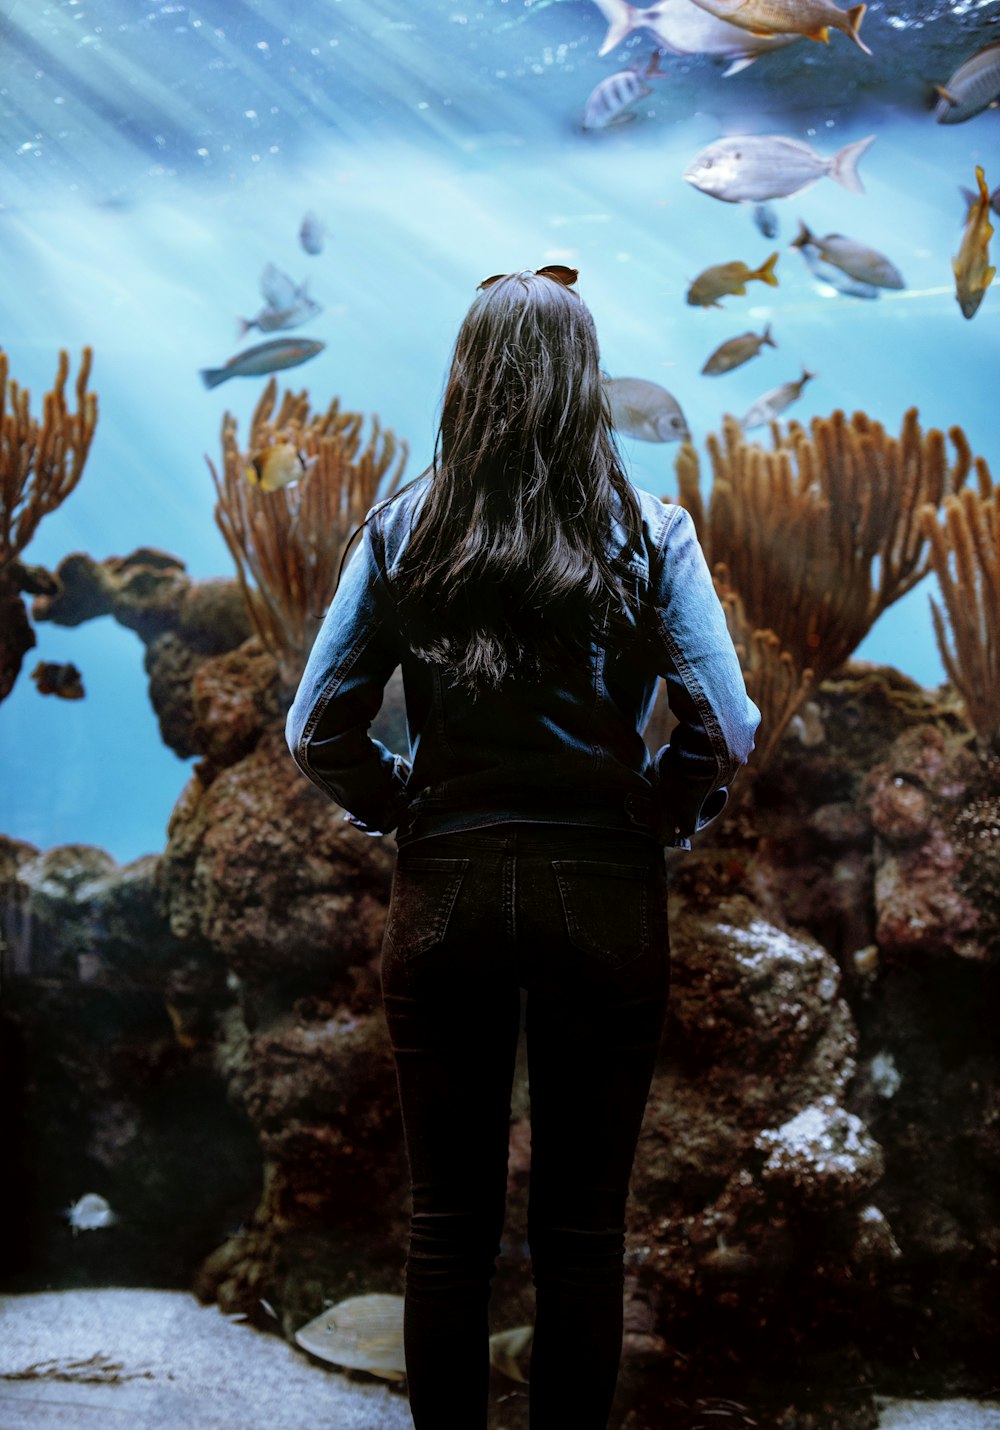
(424,890)
(606,907)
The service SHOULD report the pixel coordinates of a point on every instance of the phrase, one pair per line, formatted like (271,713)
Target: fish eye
(708,163)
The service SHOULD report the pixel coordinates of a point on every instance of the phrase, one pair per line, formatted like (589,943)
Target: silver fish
(756,167)
(973,87)
(277,289)
(766,220)
(687,29)
(264,358)
(736,351)
(89,1213)
(766,408)
(270,320)
(645,410)
(834,277)
(857,260)
(312,233)
(609,101)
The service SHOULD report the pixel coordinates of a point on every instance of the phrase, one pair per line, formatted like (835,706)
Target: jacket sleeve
(341,691)
(705,688)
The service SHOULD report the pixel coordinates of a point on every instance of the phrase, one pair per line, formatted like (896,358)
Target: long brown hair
(508,572)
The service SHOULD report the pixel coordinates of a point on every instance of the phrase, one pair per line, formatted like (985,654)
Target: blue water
(151,165)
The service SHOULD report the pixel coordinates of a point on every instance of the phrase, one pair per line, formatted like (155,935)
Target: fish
(973,198)
(766,408)
(973,87)
(64,680)
(766,220)
(264,358)
(277,289)
(725,278)
(833,277)
(857,260)
(645,410)
(812,18)
(312,233)
(971,265)
(366,1333)
(609,101)
(90,1213)
(269,320)
(737,351)
(685,28)
(277,465)
(755,167)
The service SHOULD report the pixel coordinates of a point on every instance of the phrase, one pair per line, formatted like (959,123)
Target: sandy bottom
(160,1358)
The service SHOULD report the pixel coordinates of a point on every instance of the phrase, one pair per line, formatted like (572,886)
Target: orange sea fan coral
(288,544)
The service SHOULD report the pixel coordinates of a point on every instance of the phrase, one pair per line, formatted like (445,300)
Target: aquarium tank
(237,240)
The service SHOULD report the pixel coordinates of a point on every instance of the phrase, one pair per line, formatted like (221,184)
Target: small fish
(812,18)
(971,265)
(972,198)
(685,28)
(277,289)
(51,678)
(737,351)
(755,167)
(857,260)
(90,1213)
(767,407)
(269,320)
(766,220)
(834,277)
(312,233)
(714,283)
(973,87)
(645,410)
(277,465)
(264,358)
(611,99)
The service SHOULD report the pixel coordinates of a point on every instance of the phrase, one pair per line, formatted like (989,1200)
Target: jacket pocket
(606,907)
(424,890)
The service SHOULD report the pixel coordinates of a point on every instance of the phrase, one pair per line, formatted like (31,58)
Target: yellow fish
(724,278)
(812,18)
(276,466)
(971,265)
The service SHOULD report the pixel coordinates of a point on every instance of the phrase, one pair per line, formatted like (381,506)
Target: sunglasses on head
(558,272)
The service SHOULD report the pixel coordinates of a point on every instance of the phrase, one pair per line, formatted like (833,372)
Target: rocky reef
(199,1036)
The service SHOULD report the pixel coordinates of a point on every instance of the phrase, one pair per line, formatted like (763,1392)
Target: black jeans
(578,918)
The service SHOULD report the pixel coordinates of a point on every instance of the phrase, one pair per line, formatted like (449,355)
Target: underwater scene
(236,242)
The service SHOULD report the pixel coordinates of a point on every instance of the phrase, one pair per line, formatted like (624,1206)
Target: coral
(288,544)
(820,535)
(40,464)
(969,537)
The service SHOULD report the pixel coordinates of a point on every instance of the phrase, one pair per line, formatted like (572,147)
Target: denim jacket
(568,750)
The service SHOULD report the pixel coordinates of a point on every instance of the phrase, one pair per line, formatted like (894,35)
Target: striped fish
(613,96)
(973,87)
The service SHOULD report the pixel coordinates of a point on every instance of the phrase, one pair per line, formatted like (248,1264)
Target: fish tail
(766,271)
(212,376)
(766,337)
(621,18)
(807,376)
(854,16)
(844,164)
(243,326)
(984,192)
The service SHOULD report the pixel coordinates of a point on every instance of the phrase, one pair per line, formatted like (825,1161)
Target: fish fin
(766,337)
(988,278)
(844,164)
(766,271)
(821,34)
(742,63)
(854,16)
(944,94)
(621,18)
(212,376)
(652,70)
(243,326)
(984,192)
(803,237)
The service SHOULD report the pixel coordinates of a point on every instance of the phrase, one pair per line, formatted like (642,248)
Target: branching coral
(288,544)
(821,534)
(40,464)
(965,550)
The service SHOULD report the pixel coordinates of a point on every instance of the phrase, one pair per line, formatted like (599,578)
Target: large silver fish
(766,408)
(973,87)
(755,167)
(645,410)
(833,277)
(687,29)
(615,95)
(264,358)
(857,260)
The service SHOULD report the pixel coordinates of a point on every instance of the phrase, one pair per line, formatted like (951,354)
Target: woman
(532,596)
